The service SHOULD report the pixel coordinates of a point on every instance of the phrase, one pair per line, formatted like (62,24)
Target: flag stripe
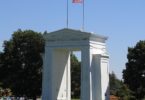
(77,1)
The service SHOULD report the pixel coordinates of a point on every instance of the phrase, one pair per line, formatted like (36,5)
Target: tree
(119,89)
(75,77)
(114,84)
(134,74)
(21,63)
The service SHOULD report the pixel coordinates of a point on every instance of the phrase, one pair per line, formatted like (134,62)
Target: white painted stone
(56,66)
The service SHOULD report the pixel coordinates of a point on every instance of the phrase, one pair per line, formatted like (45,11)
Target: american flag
(77,1)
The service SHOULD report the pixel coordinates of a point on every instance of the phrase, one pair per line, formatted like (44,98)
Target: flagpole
(83,24)
(67,14)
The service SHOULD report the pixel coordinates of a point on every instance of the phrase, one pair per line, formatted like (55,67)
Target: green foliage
(115,84)
(75,77)
(119,89)
(134,74)
(21,63)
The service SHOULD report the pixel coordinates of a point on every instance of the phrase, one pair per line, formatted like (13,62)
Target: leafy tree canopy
(75,77)
(134,74)
(119,89)
(21,63)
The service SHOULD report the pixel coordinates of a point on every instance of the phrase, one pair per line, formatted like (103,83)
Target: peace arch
(56,67)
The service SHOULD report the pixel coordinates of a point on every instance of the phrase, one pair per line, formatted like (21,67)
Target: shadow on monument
(60,79)
(97,92)
(62,57)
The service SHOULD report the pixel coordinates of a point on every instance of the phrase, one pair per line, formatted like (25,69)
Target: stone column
(68,74)
(61,74)
(85,74)
(56,75)
(47,75)
(96,78)
(100,77)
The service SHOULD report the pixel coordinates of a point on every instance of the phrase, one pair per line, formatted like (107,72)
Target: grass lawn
(75,99)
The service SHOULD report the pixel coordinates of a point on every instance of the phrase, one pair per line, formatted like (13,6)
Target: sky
(123,21)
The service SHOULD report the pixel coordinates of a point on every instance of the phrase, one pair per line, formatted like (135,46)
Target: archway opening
(75,75)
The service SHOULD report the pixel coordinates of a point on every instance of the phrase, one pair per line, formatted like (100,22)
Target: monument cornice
(73,35)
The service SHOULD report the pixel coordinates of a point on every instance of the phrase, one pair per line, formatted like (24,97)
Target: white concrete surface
(56,67)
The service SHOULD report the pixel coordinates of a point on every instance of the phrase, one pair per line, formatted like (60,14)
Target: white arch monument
(94,65)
